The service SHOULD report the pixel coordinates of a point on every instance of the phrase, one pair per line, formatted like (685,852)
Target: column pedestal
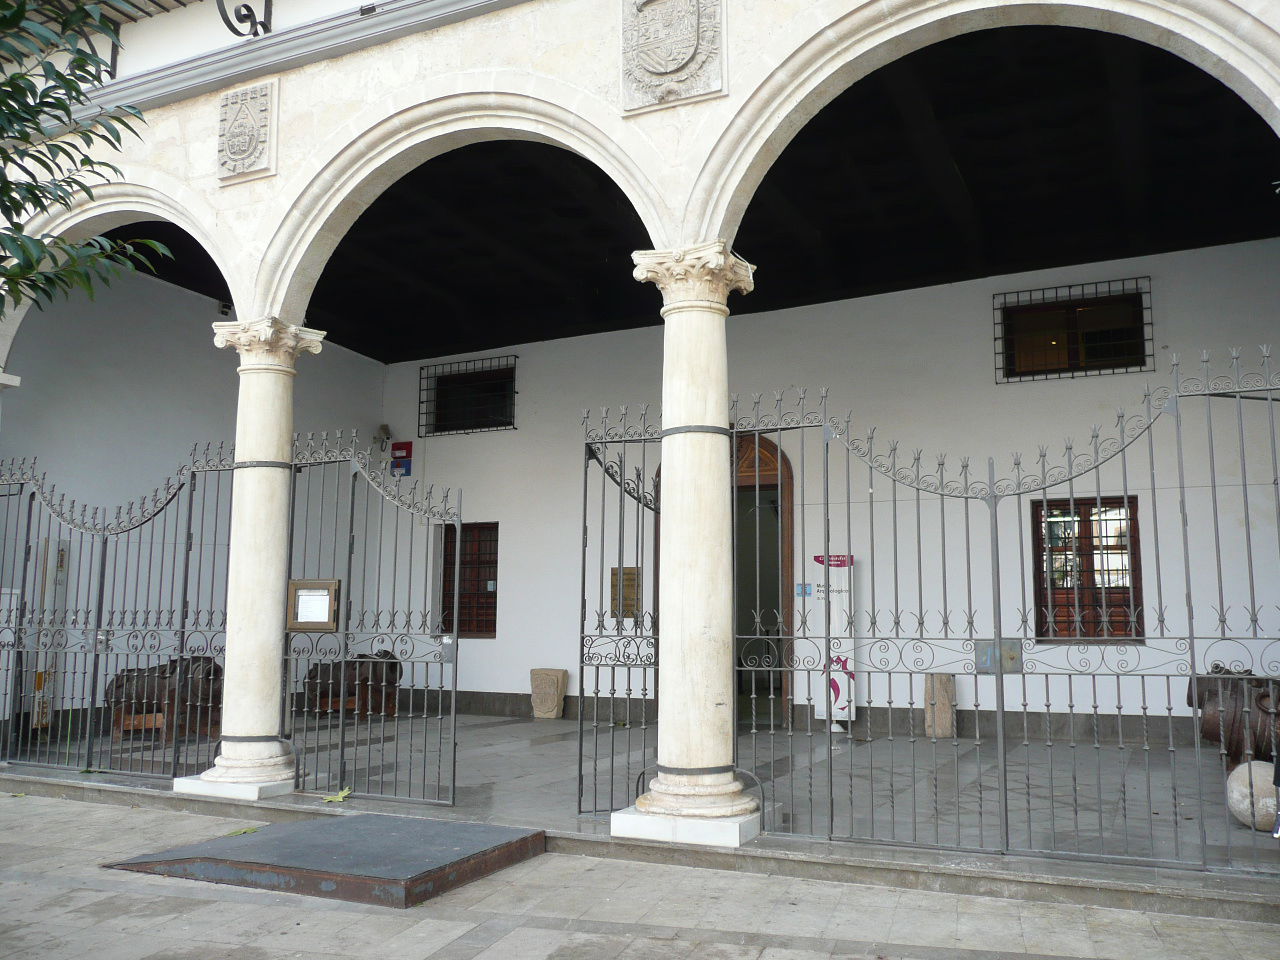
(698,831)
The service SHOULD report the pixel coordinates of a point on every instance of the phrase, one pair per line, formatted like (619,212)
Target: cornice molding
(288,49)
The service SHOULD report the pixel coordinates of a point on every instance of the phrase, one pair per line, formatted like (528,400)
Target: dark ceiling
(995,152)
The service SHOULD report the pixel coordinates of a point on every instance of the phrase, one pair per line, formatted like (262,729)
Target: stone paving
(56,903)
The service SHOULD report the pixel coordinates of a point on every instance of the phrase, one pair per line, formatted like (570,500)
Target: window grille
(1088,577)
(468,396)
(478,586)
(1078,330)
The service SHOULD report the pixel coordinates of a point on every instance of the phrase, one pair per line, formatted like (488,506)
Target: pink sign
(834,560)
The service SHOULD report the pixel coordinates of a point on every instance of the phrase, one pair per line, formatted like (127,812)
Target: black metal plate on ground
(364,858)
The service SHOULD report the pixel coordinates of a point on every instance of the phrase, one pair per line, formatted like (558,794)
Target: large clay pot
(1237,712)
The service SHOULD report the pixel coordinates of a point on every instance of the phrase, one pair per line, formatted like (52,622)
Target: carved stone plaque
(244,132)
(671,50)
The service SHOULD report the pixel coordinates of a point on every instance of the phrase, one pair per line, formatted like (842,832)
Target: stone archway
(117,205)
(332,201)
(1220,37)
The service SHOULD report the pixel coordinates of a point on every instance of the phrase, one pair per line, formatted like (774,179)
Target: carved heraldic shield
(671,50)
(667,34)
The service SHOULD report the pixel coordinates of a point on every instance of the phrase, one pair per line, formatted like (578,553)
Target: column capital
(267,342)
(706,272)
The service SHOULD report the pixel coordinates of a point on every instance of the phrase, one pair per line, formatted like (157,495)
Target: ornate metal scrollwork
(243,21)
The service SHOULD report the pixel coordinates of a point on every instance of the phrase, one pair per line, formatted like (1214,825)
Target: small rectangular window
(1088,578)
(1073,331)
(478,583)
(470,396)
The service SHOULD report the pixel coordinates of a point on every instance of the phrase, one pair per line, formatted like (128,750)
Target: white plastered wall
(116,390)
(919,365)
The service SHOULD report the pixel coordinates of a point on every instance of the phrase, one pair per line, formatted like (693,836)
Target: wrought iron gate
(618,667)
(1068,653)
(112,623)
(371,706)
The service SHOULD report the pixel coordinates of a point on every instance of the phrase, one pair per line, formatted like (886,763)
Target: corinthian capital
(268,342)
(706,271)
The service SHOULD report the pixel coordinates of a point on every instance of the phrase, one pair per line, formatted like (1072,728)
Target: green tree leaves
(51,54)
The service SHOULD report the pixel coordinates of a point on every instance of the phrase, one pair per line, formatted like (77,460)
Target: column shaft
(255,759)
(696,701)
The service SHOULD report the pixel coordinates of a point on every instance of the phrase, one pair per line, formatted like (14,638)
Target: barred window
(1075,330)
(478,585)
(1088,579)
(470,396)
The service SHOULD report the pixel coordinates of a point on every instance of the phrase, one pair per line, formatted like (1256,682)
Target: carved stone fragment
(939,705)
(549,687)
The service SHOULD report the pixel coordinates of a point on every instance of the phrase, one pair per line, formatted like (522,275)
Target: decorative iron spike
(1266,351)
(1235,354)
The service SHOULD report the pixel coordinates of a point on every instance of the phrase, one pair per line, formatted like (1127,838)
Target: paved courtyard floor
(57,903)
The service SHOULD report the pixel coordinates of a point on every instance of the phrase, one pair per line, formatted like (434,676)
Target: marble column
(255,761)
(695,797)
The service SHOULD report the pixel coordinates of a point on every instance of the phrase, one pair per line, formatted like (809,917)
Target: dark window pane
(474,401)
(1071,336)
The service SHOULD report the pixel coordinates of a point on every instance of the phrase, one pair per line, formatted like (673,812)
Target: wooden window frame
(479,618)
(1099,625)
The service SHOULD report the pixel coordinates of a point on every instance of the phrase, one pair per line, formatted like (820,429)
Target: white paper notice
(312,606)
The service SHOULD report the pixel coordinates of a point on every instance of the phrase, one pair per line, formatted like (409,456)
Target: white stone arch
(1221,37)
(330,203)
(117,205)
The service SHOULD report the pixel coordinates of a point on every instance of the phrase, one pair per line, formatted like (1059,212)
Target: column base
(230,790)
(702,831)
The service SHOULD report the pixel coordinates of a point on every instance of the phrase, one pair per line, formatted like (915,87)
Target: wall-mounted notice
(624,593)
(402,458)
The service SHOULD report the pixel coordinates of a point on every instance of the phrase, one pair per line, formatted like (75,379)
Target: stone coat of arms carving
(671,50)
(244,131)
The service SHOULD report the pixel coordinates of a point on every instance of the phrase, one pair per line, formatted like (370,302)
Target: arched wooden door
(764,565)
